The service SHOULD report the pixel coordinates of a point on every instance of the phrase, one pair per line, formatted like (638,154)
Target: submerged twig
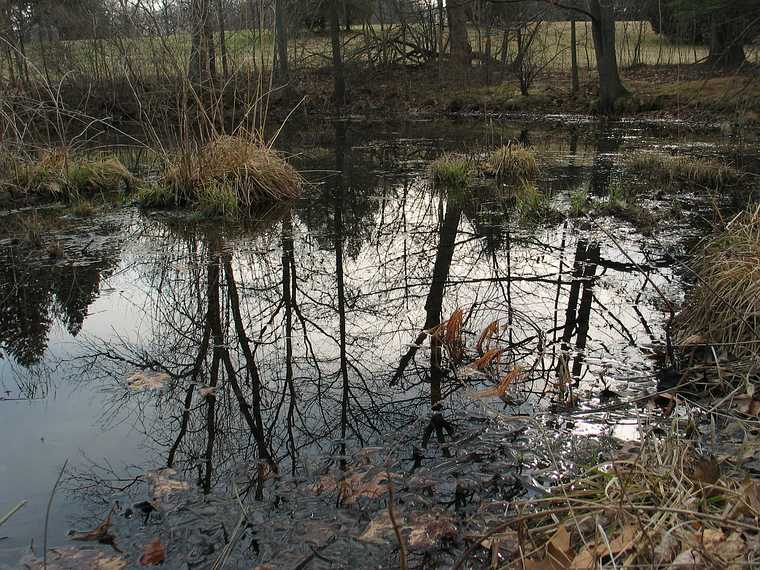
(47,514)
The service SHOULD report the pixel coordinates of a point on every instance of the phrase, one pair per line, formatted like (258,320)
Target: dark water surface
(287,343)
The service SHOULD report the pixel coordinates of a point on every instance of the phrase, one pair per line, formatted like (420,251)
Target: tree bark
(339,94)
(459,42)
(198,69)
(603,30)
(726,45)
(575,85)
(282,40)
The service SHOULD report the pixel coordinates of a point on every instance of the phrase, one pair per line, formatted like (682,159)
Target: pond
(259,360)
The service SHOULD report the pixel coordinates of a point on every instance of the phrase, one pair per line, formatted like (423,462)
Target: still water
(255,359)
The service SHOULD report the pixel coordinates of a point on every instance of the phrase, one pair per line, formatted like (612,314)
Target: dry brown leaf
(422,530)
(372,484)
(584,560)
(500,389)
(688,560)
(558,548)
(486,336)
(75,559)
(207,392)
(154,553)
(715,543)
(487,358)
(99,534)
(147,380)
(748,406)
(706,470)
(166,489)
(621,543)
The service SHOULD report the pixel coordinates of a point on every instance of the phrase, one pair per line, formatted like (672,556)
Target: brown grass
(512,162)
(227,176)
(683,170)
(724,308)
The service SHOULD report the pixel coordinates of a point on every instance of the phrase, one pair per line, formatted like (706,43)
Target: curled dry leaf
(371,484)
(558,549)
(688,560)
(147,380)
(486,336)
(165,487)
(421,530)
(207,392)
(154,553)
(99,534)
(500,390)
(75,559)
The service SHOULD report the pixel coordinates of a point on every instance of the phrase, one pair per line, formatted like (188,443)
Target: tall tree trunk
(603,30)
(222,38)
(339,94)
(576,85)
(726,45)
(281,32)
(459,43)
(198,69)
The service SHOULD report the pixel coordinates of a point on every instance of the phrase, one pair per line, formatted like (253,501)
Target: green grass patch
(451,171)
(61,174)
(512,162)
(682,170)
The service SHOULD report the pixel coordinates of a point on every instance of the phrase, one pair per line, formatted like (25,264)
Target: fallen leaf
(165,488)
(688,560)
(75,559)
(584,560)
(500,389)
(421,530)
(207,392)
(558,548)
(154,553)
(147,380)
(486,335)
(487,358)
(99,534)
(666,550)
(706,470)
(622,542)
(748,406)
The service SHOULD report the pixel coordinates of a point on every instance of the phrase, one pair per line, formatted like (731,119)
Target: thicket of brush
(227,176)
(682,170)
(61,173)
(724,308)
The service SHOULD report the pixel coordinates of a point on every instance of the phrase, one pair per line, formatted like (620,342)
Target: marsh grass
(512,162)
(452,171)
(724,308)
(226,177)
(83,208)
(62,174)
(532,205)
(655,504)
(682,170)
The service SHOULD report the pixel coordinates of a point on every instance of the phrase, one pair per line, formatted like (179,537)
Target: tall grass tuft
(60,173)
(512,162)
(725,306)
(683,170)
(451,171)
(226,176)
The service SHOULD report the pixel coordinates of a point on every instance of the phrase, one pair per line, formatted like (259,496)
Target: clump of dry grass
(227,169)
(61,173)
(512,162)
(452,171)
(657,505)
(724,308)
(682,170)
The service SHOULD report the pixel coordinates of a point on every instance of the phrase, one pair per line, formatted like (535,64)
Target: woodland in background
(150,62)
